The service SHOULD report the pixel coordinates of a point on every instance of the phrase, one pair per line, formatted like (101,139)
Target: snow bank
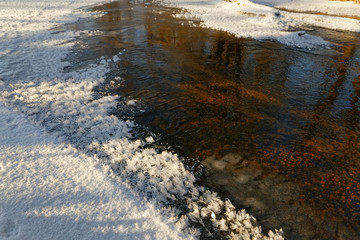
(49,190)
(339,8)
(248,19)
(57,184)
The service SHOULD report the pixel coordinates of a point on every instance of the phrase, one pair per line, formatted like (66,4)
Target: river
(276,128)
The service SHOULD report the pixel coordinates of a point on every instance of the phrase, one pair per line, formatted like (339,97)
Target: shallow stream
(277,128)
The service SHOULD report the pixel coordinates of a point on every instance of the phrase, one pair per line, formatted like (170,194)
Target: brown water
(276,127)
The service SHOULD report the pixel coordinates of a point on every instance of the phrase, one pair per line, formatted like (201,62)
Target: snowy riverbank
(52,191)
(68,168)
(253,19)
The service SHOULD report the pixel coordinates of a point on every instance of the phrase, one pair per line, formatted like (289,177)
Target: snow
(69,169)
(253,19)
(51,191)
(339,8)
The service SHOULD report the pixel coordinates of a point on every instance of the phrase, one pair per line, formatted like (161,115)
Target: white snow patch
(149,139)
(248,19)
(339,8)
(131,102)
(50,190)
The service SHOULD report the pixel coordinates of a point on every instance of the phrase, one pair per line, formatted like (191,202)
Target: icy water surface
(277,128)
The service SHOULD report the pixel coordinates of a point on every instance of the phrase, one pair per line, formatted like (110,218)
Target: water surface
(276,127)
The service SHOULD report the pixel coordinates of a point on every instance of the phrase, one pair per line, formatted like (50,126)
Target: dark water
(276,127)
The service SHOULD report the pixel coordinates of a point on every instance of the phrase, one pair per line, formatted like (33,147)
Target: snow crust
(249,19)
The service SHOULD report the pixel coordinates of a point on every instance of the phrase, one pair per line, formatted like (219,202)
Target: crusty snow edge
(52,191)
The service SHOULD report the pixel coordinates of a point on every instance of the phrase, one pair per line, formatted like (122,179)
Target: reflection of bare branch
(228,52)
(323,108)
